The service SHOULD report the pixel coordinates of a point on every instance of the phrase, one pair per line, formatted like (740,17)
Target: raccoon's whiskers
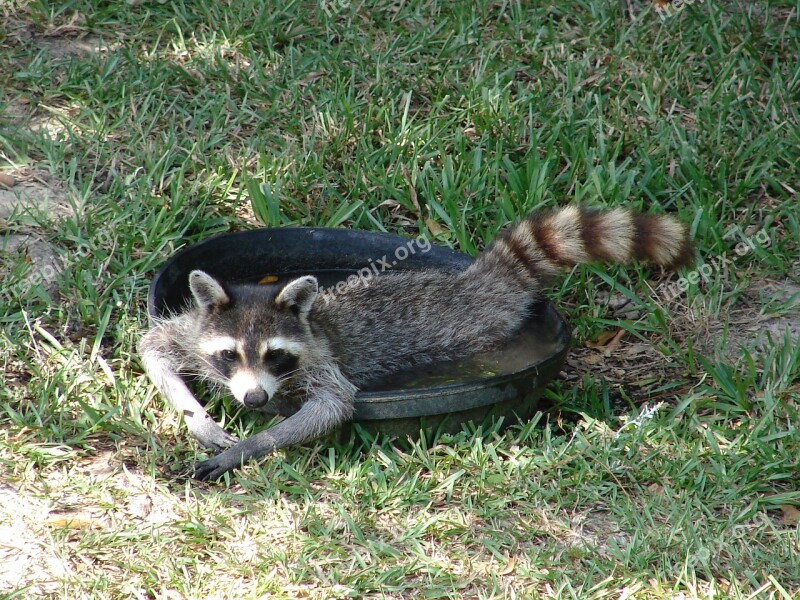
(209,366)
(285,376)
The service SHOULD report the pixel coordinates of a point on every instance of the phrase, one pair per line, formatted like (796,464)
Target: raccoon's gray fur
(303,352)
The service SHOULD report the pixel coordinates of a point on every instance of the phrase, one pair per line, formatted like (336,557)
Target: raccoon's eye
(280,362)
(275,354)
(228,355)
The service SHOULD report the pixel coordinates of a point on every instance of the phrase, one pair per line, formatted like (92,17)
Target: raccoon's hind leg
(159,364)
(329,404)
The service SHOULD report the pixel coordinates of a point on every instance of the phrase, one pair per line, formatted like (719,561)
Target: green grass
(440,118)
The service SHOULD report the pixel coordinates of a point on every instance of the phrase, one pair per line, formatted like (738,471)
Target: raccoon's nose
(255,398)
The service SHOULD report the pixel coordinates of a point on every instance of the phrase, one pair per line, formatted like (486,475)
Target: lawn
(664,461)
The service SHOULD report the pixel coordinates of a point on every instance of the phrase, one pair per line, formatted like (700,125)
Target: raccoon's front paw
(209,434)
(214,468)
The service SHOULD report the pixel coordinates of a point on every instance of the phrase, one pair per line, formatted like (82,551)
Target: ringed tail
(546,242)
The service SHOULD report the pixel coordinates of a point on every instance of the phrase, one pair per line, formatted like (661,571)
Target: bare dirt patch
(27,554)
(767,310)
(67,47)
(41,257)
(28,204)
(32,197)
(17,110)
(43,521)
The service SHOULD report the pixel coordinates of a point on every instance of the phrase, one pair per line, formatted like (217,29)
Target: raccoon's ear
(299,295)
(207,291)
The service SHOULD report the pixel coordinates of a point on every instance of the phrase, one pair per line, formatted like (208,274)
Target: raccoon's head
(252,338)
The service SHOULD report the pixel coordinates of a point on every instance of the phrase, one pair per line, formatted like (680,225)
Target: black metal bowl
(506,382)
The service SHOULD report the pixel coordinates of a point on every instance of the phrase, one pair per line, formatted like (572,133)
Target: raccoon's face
(253,338)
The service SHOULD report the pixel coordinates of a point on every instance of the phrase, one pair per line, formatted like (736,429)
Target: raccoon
(303,352)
